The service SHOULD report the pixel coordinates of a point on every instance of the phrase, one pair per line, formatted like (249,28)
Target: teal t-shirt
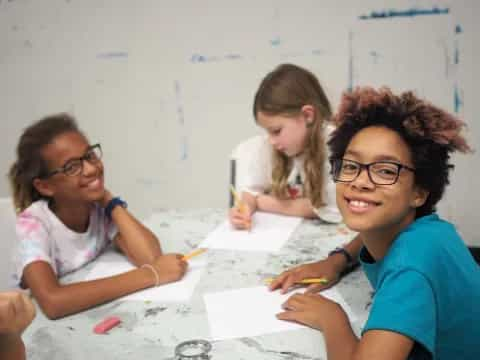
(427,287)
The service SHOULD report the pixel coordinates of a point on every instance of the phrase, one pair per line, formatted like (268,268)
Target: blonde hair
(285,91)
(30,163)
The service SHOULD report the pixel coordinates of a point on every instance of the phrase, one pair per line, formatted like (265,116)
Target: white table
(152,330)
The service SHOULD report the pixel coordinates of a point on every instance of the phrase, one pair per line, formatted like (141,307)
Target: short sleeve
(405,303)
(109,231)
(253,163)
(32,245)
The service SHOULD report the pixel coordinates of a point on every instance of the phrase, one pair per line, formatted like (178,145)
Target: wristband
(112,204)
(350,262)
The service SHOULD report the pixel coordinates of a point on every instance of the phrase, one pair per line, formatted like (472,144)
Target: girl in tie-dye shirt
(66,217)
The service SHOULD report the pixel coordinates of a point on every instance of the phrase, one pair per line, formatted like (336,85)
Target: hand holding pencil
(240,214)
(193,254)
(316,276)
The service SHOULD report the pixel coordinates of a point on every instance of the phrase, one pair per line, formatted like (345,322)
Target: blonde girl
(287,170)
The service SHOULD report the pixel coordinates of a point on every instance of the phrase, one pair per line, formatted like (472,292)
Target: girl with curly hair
(390,160)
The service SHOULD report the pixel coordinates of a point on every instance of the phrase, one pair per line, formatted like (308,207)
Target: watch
(112,204)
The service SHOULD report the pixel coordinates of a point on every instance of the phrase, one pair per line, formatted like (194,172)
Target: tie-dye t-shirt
(41,236)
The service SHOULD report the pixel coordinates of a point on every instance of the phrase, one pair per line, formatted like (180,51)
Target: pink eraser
(106,324)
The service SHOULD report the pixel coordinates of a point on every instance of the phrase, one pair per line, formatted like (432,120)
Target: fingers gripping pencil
(194,253)
(240,205)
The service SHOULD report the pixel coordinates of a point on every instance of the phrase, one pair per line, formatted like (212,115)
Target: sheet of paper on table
(269,232)
(249,312)
(112,263)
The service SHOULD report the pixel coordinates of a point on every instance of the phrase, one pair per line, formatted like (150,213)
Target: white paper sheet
(112,263)
(269,233)
(251,312)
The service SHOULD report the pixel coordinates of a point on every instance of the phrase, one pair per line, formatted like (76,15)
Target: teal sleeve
(404,303)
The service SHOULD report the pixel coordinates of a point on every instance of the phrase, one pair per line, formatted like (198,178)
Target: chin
(95,196)
(357,226)
(356,222)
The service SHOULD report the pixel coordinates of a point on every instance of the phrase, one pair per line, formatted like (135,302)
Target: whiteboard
(167,86)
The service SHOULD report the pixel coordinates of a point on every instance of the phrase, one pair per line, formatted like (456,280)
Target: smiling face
(287,134)
(379,209)
(88,186)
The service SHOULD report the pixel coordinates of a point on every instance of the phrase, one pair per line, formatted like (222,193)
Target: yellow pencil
(194,253)
(304,281)
(239,203)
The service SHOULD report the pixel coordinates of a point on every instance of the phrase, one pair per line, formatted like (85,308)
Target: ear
(43,186)
(308,112)
(420,195)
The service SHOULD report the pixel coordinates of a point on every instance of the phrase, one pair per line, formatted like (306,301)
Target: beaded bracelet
(157,278)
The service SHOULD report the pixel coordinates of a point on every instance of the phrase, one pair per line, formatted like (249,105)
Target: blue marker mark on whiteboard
(181,121)
(113,55)
(392,13)
(183,148)
(375,55)
(276,41)
(457,100)
(201,59)
(197,58)
(456,54)
(233,57)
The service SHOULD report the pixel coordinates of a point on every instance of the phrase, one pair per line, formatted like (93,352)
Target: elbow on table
(52,307)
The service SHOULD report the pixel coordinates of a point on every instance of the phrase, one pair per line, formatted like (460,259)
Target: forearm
(138,243)
(340,340)
(250,200)
(11,347)
(63,300)
(292,207)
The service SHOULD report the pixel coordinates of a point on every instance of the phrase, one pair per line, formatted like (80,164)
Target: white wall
(167,86)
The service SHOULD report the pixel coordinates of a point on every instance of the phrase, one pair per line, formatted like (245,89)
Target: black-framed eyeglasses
(74,167)
(379,172)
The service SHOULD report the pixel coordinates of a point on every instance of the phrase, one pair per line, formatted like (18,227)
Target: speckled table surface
(152,330)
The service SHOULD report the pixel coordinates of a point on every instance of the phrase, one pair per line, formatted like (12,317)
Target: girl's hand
(241,218)
(170,267)
(326,269)
(16,312)
(313,310)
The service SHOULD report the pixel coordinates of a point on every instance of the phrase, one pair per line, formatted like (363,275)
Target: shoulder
(254,145)
(423,244)
(34,218)
(428,233)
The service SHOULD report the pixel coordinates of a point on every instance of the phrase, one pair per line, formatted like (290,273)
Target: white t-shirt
(42,236)
(253,161)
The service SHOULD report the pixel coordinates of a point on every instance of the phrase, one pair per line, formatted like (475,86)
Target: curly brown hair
(284,91)
(430,132)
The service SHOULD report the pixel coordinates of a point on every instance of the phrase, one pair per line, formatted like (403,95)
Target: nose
(273,140)
(362,181)
(89,168)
